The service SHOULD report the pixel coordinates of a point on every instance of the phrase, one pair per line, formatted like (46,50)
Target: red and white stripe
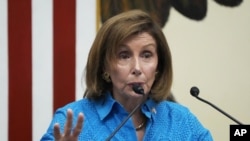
(43,50)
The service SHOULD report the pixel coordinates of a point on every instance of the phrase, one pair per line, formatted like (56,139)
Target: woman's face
(136,63)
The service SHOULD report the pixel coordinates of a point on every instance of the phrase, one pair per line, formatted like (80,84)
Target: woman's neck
(129,103)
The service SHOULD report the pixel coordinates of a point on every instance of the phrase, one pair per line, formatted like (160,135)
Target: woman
(129,50)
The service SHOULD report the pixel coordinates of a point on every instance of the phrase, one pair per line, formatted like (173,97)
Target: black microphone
(195,92)
(137,88)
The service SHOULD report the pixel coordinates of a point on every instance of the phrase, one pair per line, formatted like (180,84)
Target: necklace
(140,126)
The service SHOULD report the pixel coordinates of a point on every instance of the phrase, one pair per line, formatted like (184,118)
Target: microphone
(195,92)
(137,88)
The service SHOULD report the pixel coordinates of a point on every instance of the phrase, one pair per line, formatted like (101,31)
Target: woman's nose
(136,67)
(136,72)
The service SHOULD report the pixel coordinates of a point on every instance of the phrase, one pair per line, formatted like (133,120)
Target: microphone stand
(219,110)
(124,121)
(139,90)
(195,92)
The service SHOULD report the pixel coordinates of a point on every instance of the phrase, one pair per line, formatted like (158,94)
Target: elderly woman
(129,50)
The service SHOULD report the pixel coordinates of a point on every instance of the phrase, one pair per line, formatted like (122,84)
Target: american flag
(43,50)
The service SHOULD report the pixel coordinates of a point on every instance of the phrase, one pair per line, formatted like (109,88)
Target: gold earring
(106,77)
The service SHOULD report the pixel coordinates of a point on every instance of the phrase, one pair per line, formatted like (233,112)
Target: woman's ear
(106,76)
(156,72)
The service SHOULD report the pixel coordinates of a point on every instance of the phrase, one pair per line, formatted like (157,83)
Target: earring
(106,77)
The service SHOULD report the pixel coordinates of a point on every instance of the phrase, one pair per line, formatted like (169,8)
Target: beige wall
(213,54)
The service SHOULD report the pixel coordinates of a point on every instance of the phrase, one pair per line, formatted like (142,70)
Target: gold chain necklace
(140,126)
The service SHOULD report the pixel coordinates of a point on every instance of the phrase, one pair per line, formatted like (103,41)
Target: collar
(107,104)
(104,106)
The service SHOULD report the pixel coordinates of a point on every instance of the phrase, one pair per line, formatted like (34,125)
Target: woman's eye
(147,54)
(124,55)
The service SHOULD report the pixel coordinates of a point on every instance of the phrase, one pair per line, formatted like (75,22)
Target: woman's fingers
(79,124)
(68,124)
(57,133)
(68,134)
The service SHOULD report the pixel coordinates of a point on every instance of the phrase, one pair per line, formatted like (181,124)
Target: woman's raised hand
(69,134)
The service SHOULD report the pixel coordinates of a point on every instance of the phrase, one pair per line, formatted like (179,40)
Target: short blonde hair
(102,53)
